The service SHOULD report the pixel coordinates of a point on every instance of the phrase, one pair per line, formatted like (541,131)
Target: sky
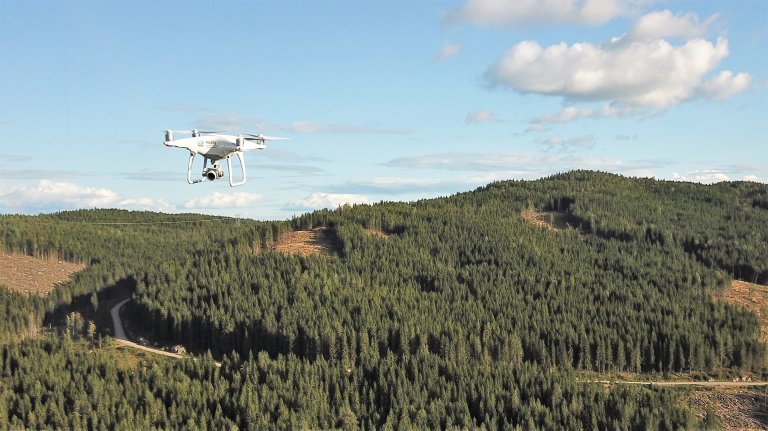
(380,100)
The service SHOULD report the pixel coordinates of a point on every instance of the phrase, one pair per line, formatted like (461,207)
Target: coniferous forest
(458,313)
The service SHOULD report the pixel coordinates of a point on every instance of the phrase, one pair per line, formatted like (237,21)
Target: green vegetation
(466,315)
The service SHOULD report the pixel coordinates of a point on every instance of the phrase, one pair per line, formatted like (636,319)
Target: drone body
(214,147)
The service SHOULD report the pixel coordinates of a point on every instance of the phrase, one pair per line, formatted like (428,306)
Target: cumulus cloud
(513,13)
(710,176)
(664,24)
(321,200)
(706,176)
(725,85)
(482,116)
(448,51)
(219,200)
(755,178)
(639,74)
(48,195)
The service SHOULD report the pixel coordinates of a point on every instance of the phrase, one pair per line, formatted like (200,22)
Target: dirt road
(122,340)
(682,383)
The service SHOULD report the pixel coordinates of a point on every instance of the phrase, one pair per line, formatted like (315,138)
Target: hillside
(462,312)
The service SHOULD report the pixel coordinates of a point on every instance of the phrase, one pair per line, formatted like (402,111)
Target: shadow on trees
(94,306)
(199,336)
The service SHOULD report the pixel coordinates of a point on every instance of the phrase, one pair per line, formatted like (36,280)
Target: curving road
(122,340)
(118,324)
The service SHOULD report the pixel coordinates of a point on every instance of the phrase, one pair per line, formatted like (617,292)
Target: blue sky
(381,100)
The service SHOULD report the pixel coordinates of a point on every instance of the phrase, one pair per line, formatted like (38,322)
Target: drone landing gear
(215,172)
(189,170)
(242,166)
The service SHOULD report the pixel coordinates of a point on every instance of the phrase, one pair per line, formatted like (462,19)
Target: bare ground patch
(753,297)
(26,274)
(307,242)
(739,408)
(546,219)
(735,408)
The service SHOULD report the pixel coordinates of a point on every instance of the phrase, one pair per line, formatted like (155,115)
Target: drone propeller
(261,137)
(192,132)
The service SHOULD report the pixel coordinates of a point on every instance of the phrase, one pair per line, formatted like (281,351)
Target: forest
(457,314)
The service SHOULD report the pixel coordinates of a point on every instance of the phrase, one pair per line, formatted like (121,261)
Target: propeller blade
(252,144)
(189,132)
(266,138)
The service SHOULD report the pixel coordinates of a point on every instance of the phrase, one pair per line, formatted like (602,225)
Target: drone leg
(189,170)
(229,168)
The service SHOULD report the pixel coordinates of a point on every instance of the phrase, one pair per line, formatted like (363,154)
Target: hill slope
(465,314)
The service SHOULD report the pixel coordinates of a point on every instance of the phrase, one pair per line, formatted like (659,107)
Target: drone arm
(229,168)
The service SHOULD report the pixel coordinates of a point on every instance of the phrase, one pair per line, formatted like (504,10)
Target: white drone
(214,146)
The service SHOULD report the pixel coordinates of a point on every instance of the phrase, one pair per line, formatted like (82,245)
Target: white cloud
(725,85)
(571,113)
(235,121)
(637,74)
(565,145)
(219,200)
(663,24)
(537,127)
(520,162)
(429,186)
(399,183)
(242,123)
(513,13)
(326,200)
(705,176)
(47,195)
(448,51)
(755,178)
(468,161)
(483,116)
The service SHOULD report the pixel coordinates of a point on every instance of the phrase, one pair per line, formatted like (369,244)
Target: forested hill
(462,313)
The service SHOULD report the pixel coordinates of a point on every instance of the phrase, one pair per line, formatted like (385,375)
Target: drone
(215,146)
